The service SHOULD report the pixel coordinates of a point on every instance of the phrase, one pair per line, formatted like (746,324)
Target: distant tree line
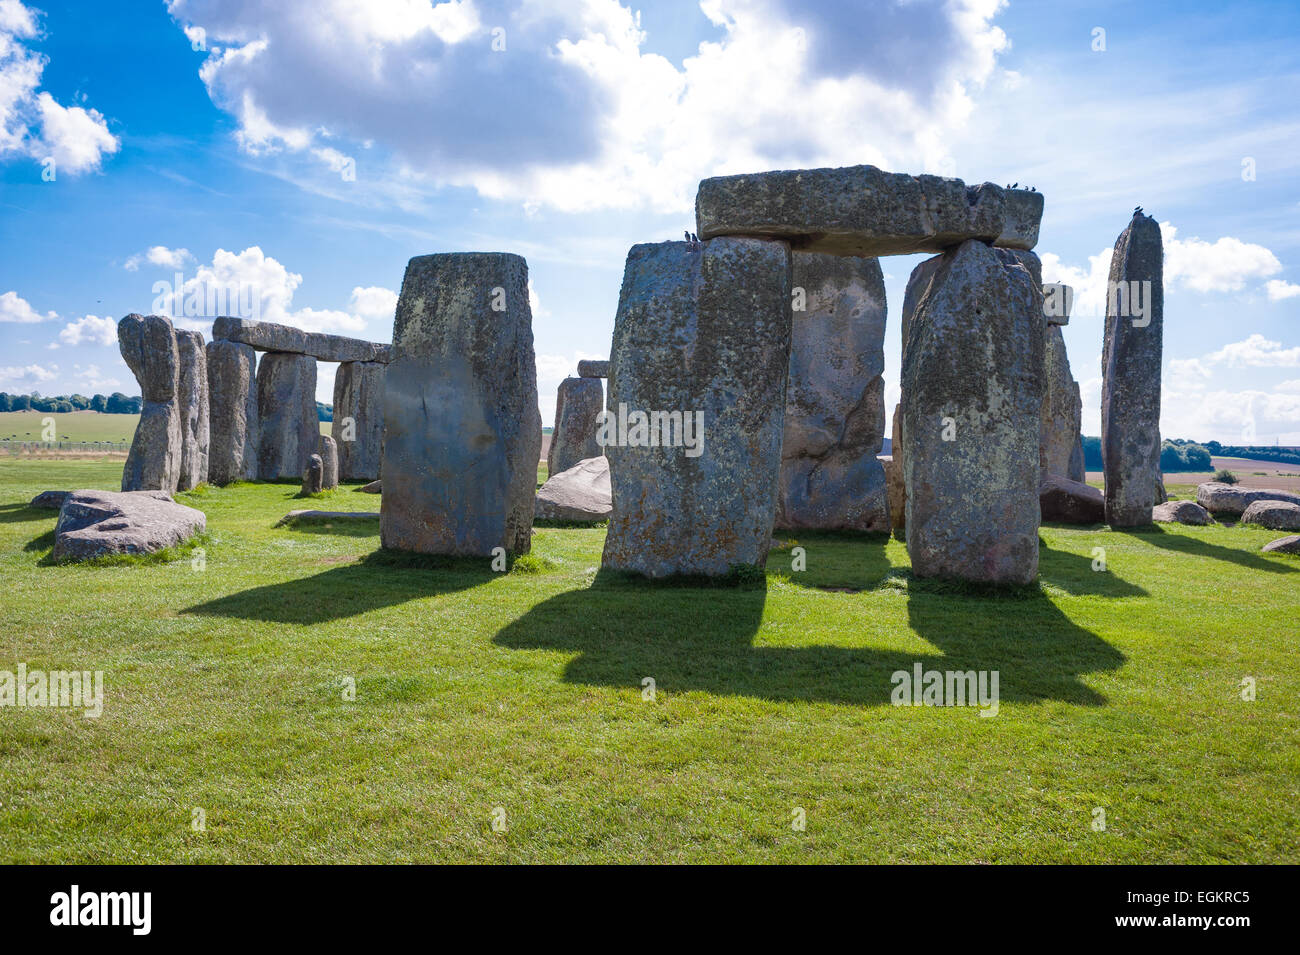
(116,403)
(324,412)
(1179,454)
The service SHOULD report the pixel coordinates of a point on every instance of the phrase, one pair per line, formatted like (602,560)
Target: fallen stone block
(1231,500)
(1275,515)
(864,211)
(49,500)
(1181,512)
(268,336)
(1070,502)
(580,494)
(1284,545)
(103,523)
(374,487)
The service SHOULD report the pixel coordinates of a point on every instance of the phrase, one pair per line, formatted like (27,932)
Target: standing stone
(232,412)
(462,432)
(701,338)
(313,476)
(972,399)
(149,348)
(1059,440)
(917,284)
(834,402)
(358,425)
(193,407)
(328,451)
(578,404)
(1130,391)
(288,426)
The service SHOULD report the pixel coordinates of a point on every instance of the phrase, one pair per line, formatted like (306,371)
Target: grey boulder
(49,500)
(313,476)
(1275,515)
(1070,502)
(1231,500)
(582,493)
(104,523)
(1284,545)
(1181,512)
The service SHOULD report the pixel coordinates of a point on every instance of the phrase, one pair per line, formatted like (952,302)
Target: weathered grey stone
(192,406)
(462,432)
(232,412)
(1181,512)
(1060,447)
(588,368)
(148,345)
(704,331)
(834,402)
(1284,545)
(582,493)
(1130,395)
(328,450)
(1058,300)
(578,406)
(1275,515)
(1078,470)
(102,523)
(328,517)
(917,284)
(49,500)
(268,336)
(358,424)
(288,426)
(1070,502)
(1231,500)
(863,211)
(972,392)
(896,494)
(313,476)
(374,487)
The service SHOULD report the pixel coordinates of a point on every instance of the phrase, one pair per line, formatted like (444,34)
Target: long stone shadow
(381,579)
(689,638)
(23,514)
(1199,548)
(835,560)
(1073,573)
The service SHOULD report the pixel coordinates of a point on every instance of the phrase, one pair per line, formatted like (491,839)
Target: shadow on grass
(1199,548)
(23,514)
(380,579)
(1073,573)
(347,527)
(687,638)
(830,565)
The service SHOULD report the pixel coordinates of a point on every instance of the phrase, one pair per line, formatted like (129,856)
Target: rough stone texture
(863,211)
(232,412)
(834,402)
(896,493)
(358,424)
(149,348)
(1284,545)
(462,433)
(49,500)
(313,476)
(305,516)
(975,356)
(1070,502)
(288,426)
(1181,512)
(700,328)
(268,336)
(917,284)
(1060,445)
(1275,515)
(578,404)
(374,487)
(588,368)
(328,450)
(100,523)
(582,493)
(1231,500)
(1130,395)
(193,408)
(1078,470)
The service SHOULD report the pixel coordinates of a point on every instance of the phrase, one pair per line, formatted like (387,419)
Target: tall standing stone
(462,432)
(834,427)
(358,424)
(703,334)
(232,412)
(149,348)
(192,404)
(1130,391)
(972,400)
(578,404)
(1060,448)
(288,426)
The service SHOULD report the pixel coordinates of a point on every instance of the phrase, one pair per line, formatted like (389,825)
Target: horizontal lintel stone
(268,336)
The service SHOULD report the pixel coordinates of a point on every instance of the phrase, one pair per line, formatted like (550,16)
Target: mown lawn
(478,691)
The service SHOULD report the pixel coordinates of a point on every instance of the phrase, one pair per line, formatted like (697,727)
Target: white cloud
(76,138)
(92,380)
(373,302)
(15,309)
(1255,351)
(551,370)
(1223,265)
(25,377)
(159,255)
(1291,387)
(1089,283)
(573,113)
(1279,289)
(89,331)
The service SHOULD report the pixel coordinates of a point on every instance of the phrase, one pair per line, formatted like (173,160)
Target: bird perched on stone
(1137,210)
(1015,185)
(695,239)
(688,236)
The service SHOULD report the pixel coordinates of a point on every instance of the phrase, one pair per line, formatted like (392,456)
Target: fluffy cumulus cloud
(90,330)
(551,370)
(562,103)
(23,378)
(13,308)
(1279,289)
(1195,404)
(32,122)
(160,256)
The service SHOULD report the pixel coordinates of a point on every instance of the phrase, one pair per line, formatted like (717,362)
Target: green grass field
(74,426)
(478,691)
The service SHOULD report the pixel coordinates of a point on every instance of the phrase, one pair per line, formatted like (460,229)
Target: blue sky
(219,140)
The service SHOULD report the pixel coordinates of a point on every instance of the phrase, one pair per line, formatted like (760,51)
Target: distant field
(72,426)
